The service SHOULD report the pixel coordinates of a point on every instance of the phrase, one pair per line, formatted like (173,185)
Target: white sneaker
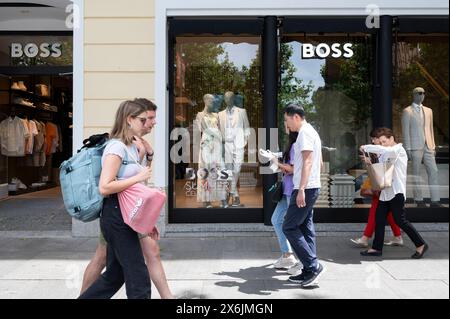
(295,270)
(396,241)
(21,185)
(285,262)
(360,242)
(18,183)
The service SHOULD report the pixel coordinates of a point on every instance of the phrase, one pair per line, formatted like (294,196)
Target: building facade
(352,65)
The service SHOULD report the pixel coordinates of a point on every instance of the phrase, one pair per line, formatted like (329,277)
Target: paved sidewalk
(232,267)
(39,211)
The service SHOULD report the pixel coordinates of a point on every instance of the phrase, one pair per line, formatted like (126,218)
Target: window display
(418,139)
(420,115)
(218,106)
(336,93)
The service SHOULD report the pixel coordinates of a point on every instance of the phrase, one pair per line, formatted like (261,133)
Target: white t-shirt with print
(308,140)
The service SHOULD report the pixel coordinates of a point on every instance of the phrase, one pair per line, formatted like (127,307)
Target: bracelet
(149,157)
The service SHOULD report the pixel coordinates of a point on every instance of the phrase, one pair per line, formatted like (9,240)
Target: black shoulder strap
(95,140)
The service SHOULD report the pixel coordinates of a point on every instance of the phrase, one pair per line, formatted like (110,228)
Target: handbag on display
(141,205)
(276,192)
(380,174)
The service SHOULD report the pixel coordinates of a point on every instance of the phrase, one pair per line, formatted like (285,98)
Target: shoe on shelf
(22,86)
(285,262)
(421,204)
(15,86)
(22,186)
(296,269)
(22,101)
(417,255)
(396,241)
(312,277)
(360,242)
(18,183)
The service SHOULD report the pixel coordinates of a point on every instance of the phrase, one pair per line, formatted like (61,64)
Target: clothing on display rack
(12,137)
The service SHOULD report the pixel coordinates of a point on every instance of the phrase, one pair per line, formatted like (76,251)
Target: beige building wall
(119,64)
(119,59)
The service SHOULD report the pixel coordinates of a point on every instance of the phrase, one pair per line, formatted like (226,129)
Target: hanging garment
(39,146)
(12,137)
(51,134)
(27,136)
(32,128)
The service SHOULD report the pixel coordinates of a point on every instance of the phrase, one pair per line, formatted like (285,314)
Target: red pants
(370,228)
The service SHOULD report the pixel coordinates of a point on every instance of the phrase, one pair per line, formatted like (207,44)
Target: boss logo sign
(324,50)
(32,50)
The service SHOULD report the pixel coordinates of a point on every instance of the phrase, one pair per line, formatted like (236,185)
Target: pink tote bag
(141,206)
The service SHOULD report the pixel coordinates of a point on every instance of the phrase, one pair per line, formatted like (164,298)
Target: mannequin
(210,156)
(418,138)
(235,130)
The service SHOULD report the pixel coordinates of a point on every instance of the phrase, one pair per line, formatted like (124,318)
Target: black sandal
(371,253)
(418,255)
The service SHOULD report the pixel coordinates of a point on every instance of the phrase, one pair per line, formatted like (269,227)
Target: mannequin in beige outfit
(210,156)
(235,130)
(418,140)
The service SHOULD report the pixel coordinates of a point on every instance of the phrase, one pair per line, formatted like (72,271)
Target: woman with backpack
(125,262)
(149,243)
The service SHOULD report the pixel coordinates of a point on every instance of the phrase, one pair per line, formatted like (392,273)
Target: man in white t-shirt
(298,224)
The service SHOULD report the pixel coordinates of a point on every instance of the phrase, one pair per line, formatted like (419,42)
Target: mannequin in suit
(210,156)
(235,130)
(418,140)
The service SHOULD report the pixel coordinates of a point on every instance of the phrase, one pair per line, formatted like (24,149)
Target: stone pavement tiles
(231,267)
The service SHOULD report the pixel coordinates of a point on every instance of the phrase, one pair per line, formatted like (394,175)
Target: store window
(420,114)
(330,75)
(217,108)
(36,88)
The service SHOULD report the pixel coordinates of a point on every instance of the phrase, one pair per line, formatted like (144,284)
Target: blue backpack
(79,177)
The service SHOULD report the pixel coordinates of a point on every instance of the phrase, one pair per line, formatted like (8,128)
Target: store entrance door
(216,109)
(35,131)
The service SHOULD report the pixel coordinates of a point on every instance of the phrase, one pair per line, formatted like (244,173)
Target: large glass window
(420,114)
(330,75)
(217,108)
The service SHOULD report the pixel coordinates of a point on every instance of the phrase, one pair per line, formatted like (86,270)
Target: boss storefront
(35,109)
(230,78)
